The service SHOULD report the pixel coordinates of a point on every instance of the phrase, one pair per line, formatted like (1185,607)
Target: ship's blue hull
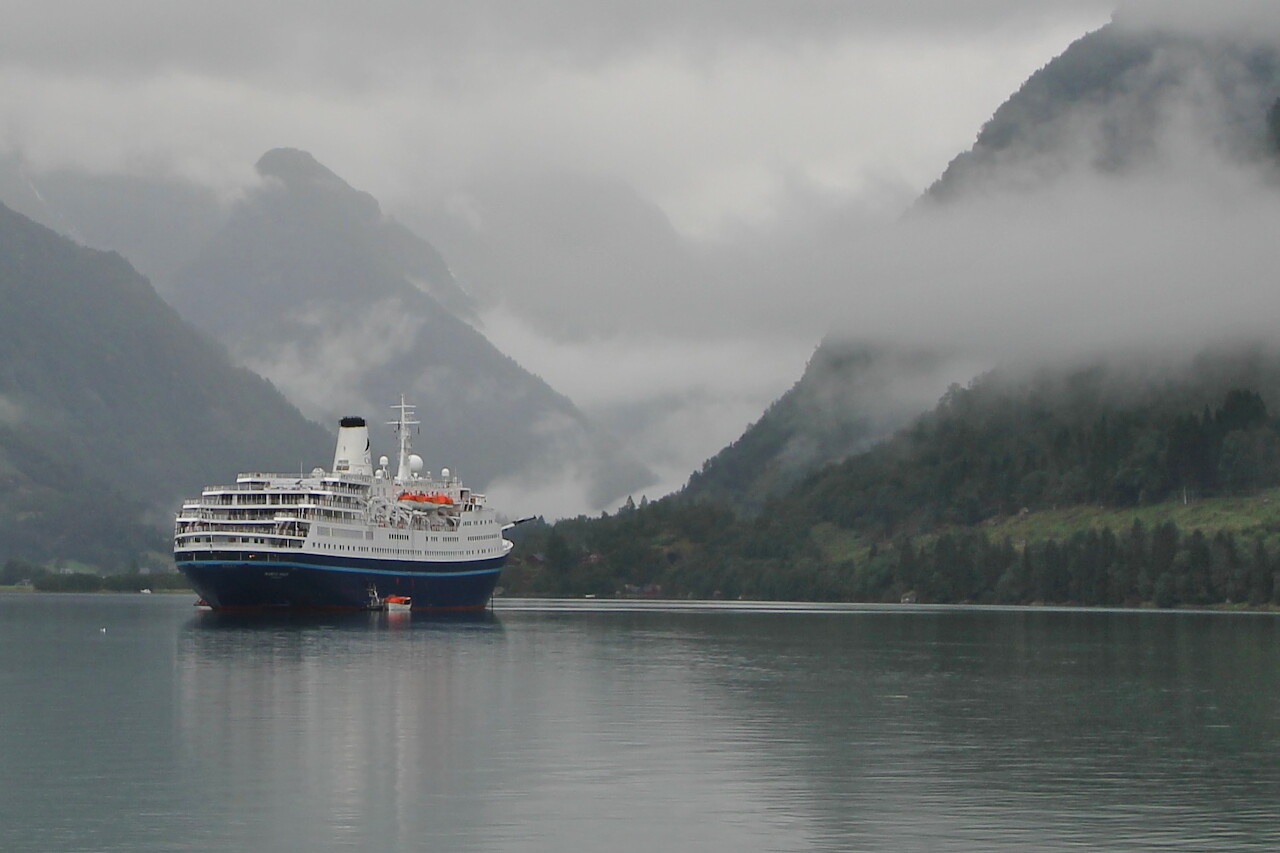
(234,580)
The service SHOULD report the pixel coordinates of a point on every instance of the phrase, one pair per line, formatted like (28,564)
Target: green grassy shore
(1242,516)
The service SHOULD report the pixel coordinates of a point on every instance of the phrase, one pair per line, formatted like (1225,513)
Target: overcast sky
(611,176)
(710,109)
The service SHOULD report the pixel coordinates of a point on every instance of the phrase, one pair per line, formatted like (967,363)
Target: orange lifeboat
(422,497)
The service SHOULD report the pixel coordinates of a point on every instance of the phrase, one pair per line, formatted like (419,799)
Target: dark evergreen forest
(906,517)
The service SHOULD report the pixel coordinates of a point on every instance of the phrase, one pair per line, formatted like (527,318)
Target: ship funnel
(352,454)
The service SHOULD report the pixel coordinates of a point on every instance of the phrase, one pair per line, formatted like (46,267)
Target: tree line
(18,571)
(906,514)
(987,452)
(1161,565)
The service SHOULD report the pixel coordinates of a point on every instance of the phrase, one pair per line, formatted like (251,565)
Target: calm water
(895,729)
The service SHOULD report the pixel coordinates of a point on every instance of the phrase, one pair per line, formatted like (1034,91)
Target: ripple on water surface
(636,727)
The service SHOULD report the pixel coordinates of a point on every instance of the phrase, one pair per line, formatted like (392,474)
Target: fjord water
(542,728)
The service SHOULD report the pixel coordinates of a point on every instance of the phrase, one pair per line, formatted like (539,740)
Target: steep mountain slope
(850,396)
(112,408)
(1131,97)
(964,505)
(310,285)
(1119,432)
(1108,105)
(158,222)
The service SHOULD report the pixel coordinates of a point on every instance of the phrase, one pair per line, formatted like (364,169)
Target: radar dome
(384,461)
(444,472)
(415,463)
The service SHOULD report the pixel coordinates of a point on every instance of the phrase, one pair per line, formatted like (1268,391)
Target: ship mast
(401,426)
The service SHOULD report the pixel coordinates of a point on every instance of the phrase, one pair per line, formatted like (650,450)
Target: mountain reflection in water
(636,727)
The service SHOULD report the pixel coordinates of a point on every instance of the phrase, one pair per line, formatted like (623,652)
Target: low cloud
(323,378)
(708,108)
(1067,247)
(1100,263)
(459,41)
(663,208)
(12,413)
(554,494)
(1253,19)
(1072,241)
(673,401)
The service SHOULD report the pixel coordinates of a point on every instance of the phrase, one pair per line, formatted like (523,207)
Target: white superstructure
(356,510)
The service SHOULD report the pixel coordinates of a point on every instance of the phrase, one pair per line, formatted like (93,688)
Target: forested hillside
(112,408)
(909,517)
(1098,434)
(806,504)
(850,396)
(1126,98)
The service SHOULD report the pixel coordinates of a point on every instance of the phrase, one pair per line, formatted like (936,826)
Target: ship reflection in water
(635,728)
(333,729)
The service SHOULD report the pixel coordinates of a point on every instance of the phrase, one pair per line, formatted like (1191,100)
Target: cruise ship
(344,539)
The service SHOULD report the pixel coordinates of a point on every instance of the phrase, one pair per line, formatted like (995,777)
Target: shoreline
(514,603)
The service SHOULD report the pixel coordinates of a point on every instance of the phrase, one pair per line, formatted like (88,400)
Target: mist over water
(541,728)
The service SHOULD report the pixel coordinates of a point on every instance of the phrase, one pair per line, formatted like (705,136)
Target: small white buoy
(103,630)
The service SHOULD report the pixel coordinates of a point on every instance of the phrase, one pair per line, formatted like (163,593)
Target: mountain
(966,503)
(851,395)
(1107,105)
(112,408)
(158,222)
(343,308)
(1123,432)
(1003,491)
(1115,102)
